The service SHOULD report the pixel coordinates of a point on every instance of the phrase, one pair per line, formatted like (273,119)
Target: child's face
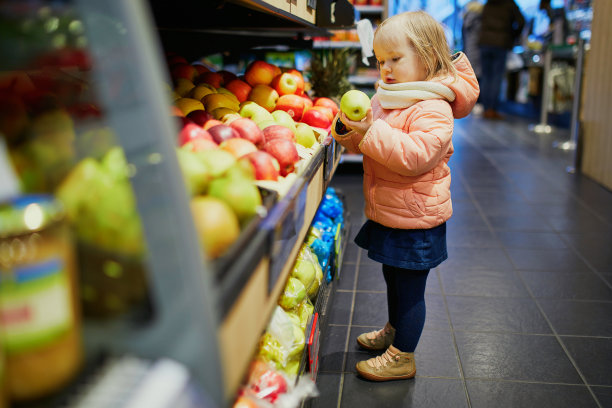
(399,64)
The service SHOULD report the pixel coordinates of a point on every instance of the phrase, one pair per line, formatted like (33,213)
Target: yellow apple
(216,224)
(187,105)
(217,100)
(200,91)
(183,86)
(264,96)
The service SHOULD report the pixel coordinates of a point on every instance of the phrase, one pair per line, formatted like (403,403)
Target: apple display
(285,152)
(238,146)
(292,104)
(222,132)
(190,132)
(216,224)
(266,166)
(239,88)
(278,132)
(199,117)
(328,103)
(355,104)
(304,135)
(248,129)
(284,119)
(285,84)
(264,96)
(259,72)
(317,118)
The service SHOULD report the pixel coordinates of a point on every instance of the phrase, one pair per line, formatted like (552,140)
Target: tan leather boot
(391,365)
(378,339)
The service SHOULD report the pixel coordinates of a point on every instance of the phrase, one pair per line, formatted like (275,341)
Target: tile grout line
(348,332)
(452,332)
(556,335)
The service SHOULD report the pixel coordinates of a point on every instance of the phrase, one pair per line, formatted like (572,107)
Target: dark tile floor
(520,315)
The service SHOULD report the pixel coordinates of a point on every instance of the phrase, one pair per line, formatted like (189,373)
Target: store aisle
(520,315)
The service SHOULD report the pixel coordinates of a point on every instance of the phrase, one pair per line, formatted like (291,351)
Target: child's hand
(361,126)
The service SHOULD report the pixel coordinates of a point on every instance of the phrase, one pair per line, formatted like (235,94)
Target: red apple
(199,145)
(278,132)
(328,103)
(173,59)
(200,68)
(199,116)
(292,104)
(300,80)
(192,131)
(183,121)
(285,152)
(285,84)
(325,110)
(259,72)
(222,132)
(307,102)
(239,88)
(269,386)
(248,130)
(266,166)
(264,96)
(227,76)
(238,147)
(183,70)
(213,78)
(317,118)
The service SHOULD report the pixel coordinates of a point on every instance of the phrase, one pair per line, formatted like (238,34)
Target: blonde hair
(424,34)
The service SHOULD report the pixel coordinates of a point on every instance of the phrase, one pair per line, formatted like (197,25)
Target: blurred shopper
(406,142)
(502,23)
(470,32)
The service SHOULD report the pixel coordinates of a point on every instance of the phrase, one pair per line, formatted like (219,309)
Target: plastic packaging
(41,331)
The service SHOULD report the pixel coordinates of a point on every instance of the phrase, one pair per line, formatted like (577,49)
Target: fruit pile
(237,133)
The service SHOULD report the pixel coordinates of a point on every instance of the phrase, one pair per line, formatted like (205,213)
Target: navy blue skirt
(417,249)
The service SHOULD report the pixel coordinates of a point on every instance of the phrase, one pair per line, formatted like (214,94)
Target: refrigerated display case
(89,79)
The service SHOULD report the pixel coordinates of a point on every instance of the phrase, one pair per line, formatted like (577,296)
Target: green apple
(271,350)
(304,271)
(195,172)
(355,104)
(265,123)
(239,193)
(304,135)
(218,161)
(284,119)
(305,310)
(293,295)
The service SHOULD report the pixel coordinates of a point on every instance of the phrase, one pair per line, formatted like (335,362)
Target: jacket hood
(464,85)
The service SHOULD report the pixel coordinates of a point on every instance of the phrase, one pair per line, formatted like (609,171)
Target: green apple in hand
(355,104)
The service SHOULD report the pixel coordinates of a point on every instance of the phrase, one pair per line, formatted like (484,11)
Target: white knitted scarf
(405,94)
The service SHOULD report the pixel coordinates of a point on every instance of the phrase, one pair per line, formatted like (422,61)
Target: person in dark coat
(470,32)
(502,23)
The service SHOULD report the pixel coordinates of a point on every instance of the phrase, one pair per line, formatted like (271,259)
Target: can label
(35,305)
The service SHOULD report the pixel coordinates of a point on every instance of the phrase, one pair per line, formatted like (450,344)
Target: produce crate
(329,145)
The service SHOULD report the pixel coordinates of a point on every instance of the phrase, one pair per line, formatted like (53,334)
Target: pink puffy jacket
(407,180)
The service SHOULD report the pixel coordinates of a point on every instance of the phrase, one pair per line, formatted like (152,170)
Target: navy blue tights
(406,303)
